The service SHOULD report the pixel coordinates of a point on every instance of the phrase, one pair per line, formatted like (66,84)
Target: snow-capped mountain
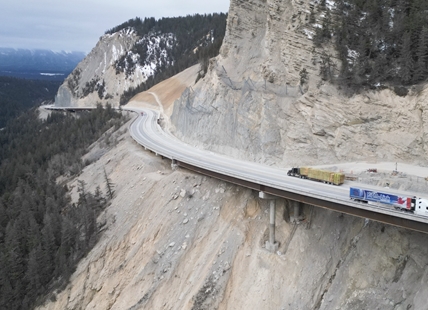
(137,54)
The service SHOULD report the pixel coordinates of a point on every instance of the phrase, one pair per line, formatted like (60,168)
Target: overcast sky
(76,25)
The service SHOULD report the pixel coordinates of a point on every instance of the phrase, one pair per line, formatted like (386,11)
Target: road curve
(146,131)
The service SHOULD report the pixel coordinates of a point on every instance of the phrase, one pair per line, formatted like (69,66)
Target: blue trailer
(365,195)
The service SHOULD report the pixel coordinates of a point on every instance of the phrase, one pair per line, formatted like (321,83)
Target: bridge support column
(271,245)
(297,216)
(174,164)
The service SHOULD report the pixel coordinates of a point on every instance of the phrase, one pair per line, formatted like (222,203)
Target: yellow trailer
(325,176)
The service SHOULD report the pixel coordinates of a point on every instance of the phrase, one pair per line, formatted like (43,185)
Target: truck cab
(421,207)
(295,172)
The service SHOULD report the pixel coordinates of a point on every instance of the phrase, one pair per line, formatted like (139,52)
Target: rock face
(178,240)
(172,239)
(95,79)
(131,53)
(251,105)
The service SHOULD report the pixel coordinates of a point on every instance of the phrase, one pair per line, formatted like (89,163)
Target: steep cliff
(95,78)
(172,239)
(177,240)
(137,54)
(251,104)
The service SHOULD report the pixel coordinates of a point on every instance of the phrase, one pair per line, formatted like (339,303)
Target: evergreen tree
(48,243)
(406,60)
(109,185)
(327,67)
(387,35)
(32,275)
(14,262)
(421,68)
(69,236)
(3,221)
(81,189)
(42,236)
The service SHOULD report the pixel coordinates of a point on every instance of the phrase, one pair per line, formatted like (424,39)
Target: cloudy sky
(76,25)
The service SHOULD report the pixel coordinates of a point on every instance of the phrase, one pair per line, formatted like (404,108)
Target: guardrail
(380,214)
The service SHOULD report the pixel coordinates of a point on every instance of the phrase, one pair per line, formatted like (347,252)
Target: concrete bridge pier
(297,216)
(174,164)
(271,245)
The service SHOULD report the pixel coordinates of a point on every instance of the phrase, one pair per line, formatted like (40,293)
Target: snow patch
(51,74)
(309,33)
(331,5)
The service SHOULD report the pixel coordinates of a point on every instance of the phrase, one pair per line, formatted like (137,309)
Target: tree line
(18,95)
(42,234)
(191,32)
(378,41)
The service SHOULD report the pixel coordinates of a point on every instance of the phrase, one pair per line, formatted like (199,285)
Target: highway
(146,131)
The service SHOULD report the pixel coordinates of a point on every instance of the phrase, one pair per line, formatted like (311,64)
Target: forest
(378,41)
(43,234)
(190,32)
(18,95)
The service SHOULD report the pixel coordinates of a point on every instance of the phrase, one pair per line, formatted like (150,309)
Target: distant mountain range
(38,64)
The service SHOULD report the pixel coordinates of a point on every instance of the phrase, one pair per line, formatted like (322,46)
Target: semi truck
(319,175)
(411,204)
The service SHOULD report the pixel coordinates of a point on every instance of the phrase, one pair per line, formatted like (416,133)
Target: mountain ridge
(37,63)
(137,55)
(201,242)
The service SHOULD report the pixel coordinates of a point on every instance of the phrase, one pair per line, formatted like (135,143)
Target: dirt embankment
(162,95)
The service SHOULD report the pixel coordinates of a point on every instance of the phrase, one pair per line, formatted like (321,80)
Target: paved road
(148,133)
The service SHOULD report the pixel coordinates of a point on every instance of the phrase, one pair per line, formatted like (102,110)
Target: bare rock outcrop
(172,239)
(95,79)
(251,105)
(177,240)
